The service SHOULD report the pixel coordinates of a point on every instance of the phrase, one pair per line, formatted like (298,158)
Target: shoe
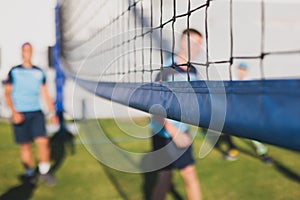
(48,179)
(231,155)
(266,159)
(230,158)
(30,180)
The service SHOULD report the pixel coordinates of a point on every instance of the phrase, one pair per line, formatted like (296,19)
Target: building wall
(33,21)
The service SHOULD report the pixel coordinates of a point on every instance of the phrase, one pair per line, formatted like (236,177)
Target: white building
(33,21)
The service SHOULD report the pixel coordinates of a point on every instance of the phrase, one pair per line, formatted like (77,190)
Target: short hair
(26,43)
(243,65)
(191,30)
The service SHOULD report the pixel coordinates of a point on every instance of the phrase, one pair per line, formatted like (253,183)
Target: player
(177,132)
(23,87)
(261,149)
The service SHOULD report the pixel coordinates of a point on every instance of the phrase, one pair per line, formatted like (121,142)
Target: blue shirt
(167,75)
(26,87)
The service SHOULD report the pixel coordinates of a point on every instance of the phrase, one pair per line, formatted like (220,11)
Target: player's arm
(49,103)
(16,116)
(180,139)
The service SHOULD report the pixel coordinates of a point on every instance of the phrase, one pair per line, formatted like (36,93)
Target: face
(26,52)
(242,73)
(195,45)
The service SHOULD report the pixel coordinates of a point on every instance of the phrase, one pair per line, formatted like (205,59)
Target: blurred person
(232,152)
(261,149)
(167,131)
(24,86)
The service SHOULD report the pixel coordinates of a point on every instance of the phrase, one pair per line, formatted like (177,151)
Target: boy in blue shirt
(166,131)
(23,87)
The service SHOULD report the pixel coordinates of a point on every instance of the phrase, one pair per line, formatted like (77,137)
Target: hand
(182,140)
(54,120)
(17,118)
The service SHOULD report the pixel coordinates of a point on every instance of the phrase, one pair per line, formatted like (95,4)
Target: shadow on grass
(149,183)
(22,191)
(149,180)
(286,172)
(58,143)
(279,166)
(115,183)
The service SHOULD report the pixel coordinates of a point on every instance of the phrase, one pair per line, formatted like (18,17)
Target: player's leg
(164,176)
(27,158)
(42,144)
(43,149)
(232,151)
(192,185)
(185,164)
(163,184)
(259,147)
(262,151)
(24,140)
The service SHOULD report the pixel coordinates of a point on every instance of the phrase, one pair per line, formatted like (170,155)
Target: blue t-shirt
(26,87)
(167,75)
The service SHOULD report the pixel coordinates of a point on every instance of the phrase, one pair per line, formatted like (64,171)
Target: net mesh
(131,40)
(114,47)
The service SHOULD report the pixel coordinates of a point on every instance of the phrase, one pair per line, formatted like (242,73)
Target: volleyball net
(116,49)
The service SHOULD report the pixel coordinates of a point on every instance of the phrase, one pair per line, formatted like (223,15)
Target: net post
(173,38)
(206,38)
(262,47)
(151,39)
(231,40)
(161,41)
(189,40)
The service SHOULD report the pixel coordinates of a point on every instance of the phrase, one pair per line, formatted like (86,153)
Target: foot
(266,159)
(231,155)
(31,180)
(48,179)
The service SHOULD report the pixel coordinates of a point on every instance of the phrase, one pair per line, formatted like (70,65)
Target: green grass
(81,176)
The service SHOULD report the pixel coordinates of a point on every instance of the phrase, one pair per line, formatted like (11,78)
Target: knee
(165,175)
(42,141)
(189,174)
(25,147)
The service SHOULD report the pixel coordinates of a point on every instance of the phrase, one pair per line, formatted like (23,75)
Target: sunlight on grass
(80,176)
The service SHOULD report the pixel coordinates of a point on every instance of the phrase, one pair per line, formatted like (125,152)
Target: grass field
(81,176)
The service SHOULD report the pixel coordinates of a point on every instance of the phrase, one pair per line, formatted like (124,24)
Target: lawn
(81,176)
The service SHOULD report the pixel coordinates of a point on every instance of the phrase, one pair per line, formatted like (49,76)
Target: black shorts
(33,126)
(182,156)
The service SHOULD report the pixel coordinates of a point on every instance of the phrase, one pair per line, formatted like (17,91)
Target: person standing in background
(23,87)
(261,149)
(167,131)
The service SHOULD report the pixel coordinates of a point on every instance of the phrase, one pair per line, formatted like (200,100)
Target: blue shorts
(33,126)
(182,161)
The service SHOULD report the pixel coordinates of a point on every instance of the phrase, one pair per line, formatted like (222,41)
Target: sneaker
(266,159)
(30,180)
(231,155)
(48,179)
(230,158)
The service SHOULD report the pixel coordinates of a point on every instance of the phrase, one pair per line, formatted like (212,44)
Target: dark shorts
(184,156)
(33,126)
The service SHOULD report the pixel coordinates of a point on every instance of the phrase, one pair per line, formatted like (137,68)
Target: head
(242,70)
(26,52)
(195,38)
